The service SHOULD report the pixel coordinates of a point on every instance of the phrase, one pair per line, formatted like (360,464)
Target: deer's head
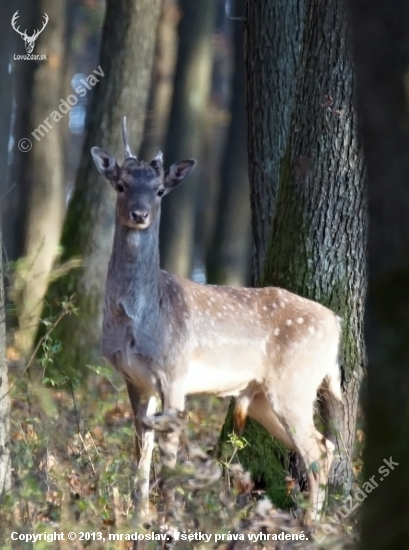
(140,186)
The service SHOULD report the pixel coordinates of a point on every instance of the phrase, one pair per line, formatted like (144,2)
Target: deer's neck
(134,272)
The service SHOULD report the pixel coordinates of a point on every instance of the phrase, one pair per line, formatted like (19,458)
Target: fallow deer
(171,337)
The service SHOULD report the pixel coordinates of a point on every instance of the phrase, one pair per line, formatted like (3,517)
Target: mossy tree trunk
(126,57)
(228,252)
(317,243)
(381,52)
(186,130)
(273,41)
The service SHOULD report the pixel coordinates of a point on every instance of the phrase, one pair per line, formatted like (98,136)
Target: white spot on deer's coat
(289,322)
(300,320)
(276,332)
(311,330)
(264,308)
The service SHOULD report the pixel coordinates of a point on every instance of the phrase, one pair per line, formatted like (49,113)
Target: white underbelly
(225,370)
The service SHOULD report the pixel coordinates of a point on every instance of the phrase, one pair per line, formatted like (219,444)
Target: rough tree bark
(229,248)
(126,57)
(185,132)
(273,40)
(43,173)
(273,32)
(160,97)
(381,50)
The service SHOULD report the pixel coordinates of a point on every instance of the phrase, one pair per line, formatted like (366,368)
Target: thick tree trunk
(317,243)
(186,128)
(160,97)
(126,57)
(317,246)
(381,47)
(229,249)
(274,29)
(43,173)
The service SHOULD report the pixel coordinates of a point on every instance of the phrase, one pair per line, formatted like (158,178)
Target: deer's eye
(120,188)
(160,191)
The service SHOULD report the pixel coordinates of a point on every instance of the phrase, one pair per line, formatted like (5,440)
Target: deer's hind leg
(316,452)
(260,410)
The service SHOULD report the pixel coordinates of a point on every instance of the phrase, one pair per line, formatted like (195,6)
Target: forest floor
(72,471)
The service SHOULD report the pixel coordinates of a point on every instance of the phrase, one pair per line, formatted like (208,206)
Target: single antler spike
(128,154)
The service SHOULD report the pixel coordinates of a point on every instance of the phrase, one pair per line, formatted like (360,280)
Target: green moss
(265,457)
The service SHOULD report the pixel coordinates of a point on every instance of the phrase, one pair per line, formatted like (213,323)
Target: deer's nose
(139,216)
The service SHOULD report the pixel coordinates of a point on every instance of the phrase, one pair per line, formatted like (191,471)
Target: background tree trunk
(186,128)
(381,47)
(228,253)
(7,39)
(274,30)
(160,97)
(5,466)
(43,172)
(126,59)
(6,79)
(13,205)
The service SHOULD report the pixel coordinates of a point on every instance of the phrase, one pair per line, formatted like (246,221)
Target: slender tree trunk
(229,250)
(381,48)
(7,39)
(184,137)
(5,466)
(13,204)
(6,47)
(162,81)
(126,57)
(43,171)
(273,45)
(274,29)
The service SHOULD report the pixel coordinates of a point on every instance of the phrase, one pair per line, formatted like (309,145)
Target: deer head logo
(29,40)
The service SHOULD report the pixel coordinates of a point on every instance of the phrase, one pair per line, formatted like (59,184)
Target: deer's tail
(240,413)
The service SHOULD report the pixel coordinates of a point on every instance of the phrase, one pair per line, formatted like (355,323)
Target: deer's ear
(177,173)
(106,165)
